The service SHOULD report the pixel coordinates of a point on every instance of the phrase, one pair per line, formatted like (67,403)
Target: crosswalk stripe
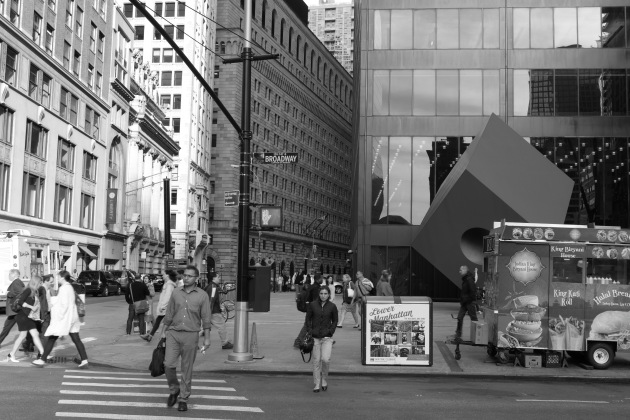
(156,405)
(71,344)
(148,395)
(220,381)
(165,385)
(98,372)
(124,416)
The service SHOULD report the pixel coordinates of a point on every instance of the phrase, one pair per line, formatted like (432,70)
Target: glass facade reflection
(559,76)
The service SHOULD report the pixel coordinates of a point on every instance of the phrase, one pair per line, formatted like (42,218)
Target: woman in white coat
(64,320)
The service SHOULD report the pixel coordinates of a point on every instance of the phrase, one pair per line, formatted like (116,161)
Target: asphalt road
(34,393)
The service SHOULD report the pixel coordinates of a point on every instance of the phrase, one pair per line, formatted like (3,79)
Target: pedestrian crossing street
(91,394)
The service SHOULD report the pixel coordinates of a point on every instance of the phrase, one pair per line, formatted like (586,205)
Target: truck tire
(600,355)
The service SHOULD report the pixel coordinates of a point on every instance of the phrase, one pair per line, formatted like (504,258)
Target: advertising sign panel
(398,333)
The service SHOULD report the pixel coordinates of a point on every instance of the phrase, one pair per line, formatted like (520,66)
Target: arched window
(335,89)
(290,39)
(297,48)
(254,9)
(345,95)
(325,67)
(282,32)
(319,64)
(222,50)
(263,16)
(330,80)
(312,62)
(305,54)
(273,23)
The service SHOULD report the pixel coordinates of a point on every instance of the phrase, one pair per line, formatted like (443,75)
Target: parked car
(99,283)
(157,280)
(338,284)
(123,277)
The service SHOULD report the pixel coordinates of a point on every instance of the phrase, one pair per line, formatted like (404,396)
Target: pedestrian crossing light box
(397,331)
(270,216)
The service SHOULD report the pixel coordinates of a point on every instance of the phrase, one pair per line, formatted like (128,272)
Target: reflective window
(589,27)
(566,92)
(400,92)
(542,93)
(491,84)
(421,170)
(471,30)
(447,28)
(521,93)
(565,27)
(589,92)
(401,30)
(470,92)
(614,88)
(381,29)
(380,98)
(448,88)
(424,92)
(541,28)
(379,181)
(520,19)
(424,29)
(613,27)
(399,180)
(491,28)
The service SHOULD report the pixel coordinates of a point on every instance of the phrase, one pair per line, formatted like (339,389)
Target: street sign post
(276,157)
(231,198)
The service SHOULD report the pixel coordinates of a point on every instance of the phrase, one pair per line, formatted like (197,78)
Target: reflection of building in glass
(572,105)
(333,23)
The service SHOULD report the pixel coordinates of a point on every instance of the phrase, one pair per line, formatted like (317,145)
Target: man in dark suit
(13,291)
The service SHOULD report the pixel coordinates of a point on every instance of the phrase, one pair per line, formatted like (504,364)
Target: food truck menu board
(565,233)
(397,333)
(608,313)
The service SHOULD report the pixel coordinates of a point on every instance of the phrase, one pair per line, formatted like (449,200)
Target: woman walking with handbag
(321,322)
(165,297)
(136,297)
(27,317)
(64,319)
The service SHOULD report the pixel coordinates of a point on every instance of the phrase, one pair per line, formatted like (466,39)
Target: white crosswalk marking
(90,396)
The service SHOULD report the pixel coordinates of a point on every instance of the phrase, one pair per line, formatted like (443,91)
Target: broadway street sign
(276,157)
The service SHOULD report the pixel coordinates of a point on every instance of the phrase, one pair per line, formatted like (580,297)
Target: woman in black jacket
(321,322)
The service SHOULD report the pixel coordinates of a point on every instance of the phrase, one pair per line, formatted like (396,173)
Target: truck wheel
(600,355)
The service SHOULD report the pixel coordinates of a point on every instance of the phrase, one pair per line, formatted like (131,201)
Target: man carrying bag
(136,296)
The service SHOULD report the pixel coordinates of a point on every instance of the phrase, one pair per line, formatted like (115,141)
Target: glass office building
(429,74)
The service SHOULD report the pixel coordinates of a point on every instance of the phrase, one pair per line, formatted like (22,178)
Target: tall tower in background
(333,24)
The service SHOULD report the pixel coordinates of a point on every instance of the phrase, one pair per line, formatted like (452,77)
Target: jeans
(141,324)
(345,308)
(184,344)
(156,324)
(321,360)
(50,343)
(217,321)
(471,310)
(8,325)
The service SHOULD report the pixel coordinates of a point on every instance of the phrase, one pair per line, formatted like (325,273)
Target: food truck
(558,287)
(32,255)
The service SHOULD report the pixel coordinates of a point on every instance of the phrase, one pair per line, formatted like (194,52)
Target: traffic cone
(253,344)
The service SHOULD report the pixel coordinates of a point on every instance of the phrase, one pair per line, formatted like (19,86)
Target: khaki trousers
(184,344)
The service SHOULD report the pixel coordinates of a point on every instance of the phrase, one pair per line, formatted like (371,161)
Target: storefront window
(402,30)
(399,181)
(448,88)
(424,29)
(448,28)
(541,28)
(565,27)
(424,92)
(471,29)
(470,92)
(400,92)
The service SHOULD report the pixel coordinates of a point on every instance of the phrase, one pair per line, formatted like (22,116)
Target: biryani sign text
(388,313)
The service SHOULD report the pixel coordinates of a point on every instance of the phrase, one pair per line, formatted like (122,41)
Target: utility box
(479,332)
(258,286)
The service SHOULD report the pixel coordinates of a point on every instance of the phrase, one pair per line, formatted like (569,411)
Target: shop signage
(112,200)
(525,266)
(568,250)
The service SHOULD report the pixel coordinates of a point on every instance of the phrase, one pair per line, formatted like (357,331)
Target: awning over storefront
(86,250)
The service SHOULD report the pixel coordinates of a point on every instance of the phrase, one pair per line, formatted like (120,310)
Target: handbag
(80,305)
(157,361)
(140,306)
(350,291)
(306,347)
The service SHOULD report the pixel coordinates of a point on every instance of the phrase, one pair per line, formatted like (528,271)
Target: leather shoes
(182,406)
(324,387)
(172,399)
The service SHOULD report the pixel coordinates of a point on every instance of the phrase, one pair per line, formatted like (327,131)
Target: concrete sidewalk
(276,331)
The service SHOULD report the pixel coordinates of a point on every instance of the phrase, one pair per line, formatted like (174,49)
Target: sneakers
(83,364)
(38,362)
(227,346)
(146,337)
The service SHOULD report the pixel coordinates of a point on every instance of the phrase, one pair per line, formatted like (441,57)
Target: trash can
(397,331)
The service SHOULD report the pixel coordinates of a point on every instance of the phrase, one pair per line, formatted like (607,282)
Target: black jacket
(140,292)
(321,321)
(469,290)
(313,292)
